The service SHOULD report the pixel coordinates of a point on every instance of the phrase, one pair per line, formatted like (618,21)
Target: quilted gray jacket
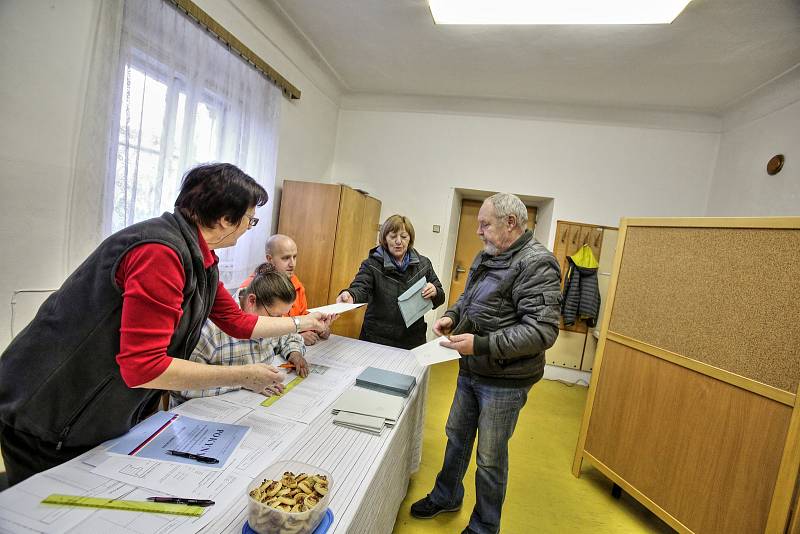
(512,304)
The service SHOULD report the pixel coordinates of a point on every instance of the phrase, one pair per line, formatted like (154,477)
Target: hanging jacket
(581,294)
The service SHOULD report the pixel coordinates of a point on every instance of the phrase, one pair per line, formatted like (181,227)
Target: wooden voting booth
(693,407)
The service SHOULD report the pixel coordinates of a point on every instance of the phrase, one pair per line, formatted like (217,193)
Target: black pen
(181,500)
(192,456)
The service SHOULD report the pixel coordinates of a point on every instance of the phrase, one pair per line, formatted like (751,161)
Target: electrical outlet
(436,228)
(226,266)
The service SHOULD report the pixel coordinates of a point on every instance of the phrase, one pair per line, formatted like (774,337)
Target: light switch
(436,228)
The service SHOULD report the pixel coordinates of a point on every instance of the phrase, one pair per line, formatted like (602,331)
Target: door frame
(543,228)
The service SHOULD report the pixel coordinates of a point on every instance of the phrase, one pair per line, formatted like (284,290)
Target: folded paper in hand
(339,307)
(412,305)
(432,352)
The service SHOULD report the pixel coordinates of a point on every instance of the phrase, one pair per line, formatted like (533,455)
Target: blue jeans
(491,412)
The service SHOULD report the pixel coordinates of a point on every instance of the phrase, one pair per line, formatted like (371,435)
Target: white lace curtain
(175,97)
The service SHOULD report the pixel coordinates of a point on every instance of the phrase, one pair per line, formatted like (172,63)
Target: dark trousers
(25,455)
(491,412)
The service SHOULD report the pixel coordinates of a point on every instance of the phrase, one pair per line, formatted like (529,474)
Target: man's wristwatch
(296,323)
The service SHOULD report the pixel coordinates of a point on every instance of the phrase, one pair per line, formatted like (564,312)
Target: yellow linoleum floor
(542,496)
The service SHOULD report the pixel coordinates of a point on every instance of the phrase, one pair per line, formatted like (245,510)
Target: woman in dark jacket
(390,269)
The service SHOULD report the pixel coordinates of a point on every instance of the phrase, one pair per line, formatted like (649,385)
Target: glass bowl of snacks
(288,497)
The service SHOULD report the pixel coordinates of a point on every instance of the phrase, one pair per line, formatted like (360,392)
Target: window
(151,153)
(182,98)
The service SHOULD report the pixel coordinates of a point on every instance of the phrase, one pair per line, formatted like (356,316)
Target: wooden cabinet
(334,227)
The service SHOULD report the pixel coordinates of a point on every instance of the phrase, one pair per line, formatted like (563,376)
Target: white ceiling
(714,54)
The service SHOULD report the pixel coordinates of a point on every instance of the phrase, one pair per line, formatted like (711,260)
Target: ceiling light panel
(556,11)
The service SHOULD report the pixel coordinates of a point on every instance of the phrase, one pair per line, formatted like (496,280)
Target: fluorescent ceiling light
(556,11)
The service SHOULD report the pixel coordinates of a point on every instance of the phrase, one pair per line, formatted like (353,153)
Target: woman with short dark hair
(390,269)
(92,362)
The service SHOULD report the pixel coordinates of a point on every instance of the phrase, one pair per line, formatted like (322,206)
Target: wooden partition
(693,406)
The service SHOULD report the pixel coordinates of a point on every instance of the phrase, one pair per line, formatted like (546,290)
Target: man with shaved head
(281,251)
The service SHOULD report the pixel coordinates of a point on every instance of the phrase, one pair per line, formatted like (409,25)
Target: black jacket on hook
(581,295)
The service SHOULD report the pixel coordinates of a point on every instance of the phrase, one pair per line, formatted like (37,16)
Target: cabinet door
(308,215)
(350,323)
(347,255)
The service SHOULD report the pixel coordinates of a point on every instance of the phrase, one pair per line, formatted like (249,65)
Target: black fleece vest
(59,379)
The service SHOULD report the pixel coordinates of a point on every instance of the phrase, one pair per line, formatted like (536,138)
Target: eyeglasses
(252,220)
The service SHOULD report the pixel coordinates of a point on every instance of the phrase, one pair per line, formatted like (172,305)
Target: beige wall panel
(706,451)
(606,261)
(728,297)
(567,350)
(587,363)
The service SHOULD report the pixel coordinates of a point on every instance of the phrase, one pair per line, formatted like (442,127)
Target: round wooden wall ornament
(775,164)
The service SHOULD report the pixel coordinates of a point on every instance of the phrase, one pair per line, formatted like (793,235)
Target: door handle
(459,270)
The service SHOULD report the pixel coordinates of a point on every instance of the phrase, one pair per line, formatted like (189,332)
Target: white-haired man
(506,318)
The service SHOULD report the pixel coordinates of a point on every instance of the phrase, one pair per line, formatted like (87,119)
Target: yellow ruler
(130,506)
(275,398)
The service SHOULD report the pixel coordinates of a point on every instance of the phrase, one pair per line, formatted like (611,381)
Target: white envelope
(431,352)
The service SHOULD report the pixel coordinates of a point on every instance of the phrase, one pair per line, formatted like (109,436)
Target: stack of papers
(364,402)
(386,381)
(364,423)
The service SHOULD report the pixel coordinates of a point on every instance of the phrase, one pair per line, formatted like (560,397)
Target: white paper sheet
(305,401)
(339,307)
(175,479)
(431,352)
(212,409)
(123,522)
(20,506)
(269,437)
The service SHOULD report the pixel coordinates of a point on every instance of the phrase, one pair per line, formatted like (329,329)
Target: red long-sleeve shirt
(152,279)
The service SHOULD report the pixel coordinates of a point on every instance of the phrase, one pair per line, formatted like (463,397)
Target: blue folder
(386,381)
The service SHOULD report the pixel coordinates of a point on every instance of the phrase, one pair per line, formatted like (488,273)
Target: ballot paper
(412,305)
(165,431)
(339,307)
(432,352)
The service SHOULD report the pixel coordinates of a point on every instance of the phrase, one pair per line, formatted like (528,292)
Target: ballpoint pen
(181,500)
(192,456)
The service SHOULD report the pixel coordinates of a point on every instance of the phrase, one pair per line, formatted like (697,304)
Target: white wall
(44,57)
(45,47)
(596,173)
(766,124)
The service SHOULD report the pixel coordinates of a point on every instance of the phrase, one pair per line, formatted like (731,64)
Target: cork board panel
(705,451)
(728,297)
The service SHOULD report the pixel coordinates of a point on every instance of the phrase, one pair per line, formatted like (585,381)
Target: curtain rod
(235,45)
